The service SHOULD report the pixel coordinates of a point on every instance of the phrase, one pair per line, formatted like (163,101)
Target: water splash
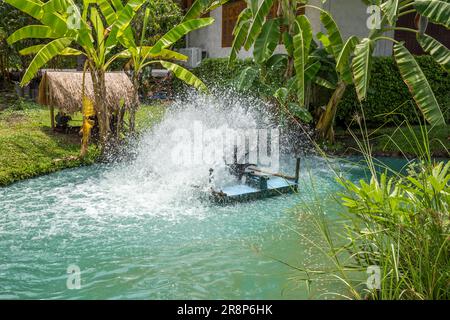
(156,180)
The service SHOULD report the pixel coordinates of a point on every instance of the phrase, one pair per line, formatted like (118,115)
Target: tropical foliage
(164,15)
(143,56)
(95,32)
(398,223)
(402,225)
(352,59)
(12,19)
(411,72)
(258,27)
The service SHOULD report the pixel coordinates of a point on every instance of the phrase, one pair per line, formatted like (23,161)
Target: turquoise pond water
(135,239)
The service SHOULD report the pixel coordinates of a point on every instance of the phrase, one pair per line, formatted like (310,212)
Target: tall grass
(396,231)
(398,224)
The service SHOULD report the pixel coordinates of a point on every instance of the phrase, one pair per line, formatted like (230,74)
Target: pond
(139,229)
(130,245)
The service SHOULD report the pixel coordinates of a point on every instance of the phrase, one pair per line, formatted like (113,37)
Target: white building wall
(350,15)
(210,39)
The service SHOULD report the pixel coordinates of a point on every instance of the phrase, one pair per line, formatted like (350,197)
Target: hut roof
(63,90)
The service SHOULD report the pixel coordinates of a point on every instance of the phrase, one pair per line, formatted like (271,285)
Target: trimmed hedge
(387,93)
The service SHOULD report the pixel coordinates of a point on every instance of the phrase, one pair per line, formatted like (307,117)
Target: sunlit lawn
(28,146)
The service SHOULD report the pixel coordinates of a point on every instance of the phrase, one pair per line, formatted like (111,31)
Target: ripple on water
(139,229)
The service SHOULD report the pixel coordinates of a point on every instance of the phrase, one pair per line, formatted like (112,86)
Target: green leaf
(56,6)
(390,9)
(258,21)
(144,26)
(343,61)
(435,10)
(117,4)
(418,85)
(178,32)
(107,11)
(165,54)
(362,67)
(246,78)
(288,43)
(299,65)
(71,52)
(300,112)
(312,70)
(253,5)
(184,75)
(334,35)
(120,29)
(215,4)
(197,9)
(276,59)
(324,83)
(49,51)
(437,50)
(35,49)
(302,43)
(305,27)
(55,21)
(31,50)
(125,15)
(267,40)
(99,28)
(240,33)
(281,95)
(31,32)
(325,40)
(30,7)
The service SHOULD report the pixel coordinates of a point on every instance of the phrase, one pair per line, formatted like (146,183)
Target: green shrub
(392,241)
(216,73)
(389,94)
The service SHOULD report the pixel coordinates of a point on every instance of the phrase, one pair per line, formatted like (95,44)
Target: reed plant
(394,240)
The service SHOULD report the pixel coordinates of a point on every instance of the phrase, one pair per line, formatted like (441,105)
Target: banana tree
(201,7)
(142,56)
(340,52)
(436,11)
(64,25)
(257,26)
(353,57)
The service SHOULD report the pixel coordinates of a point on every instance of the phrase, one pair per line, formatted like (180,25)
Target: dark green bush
(216,73)
(387,93)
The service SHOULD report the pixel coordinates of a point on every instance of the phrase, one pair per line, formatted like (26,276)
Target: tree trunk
(290,69)
(135,104)
(103,113)
(326,121)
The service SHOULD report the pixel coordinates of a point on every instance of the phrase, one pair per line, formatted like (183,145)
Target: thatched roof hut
(63,90)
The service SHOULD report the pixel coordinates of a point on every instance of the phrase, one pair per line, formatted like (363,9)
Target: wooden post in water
(297,170)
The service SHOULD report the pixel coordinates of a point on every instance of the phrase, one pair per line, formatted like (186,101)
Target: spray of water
(170,163)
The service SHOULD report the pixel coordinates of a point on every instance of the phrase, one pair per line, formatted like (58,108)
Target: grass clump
(393,241)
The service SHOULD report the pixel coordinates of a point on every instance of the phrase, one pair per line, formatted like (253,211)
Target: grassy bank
(29,147)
